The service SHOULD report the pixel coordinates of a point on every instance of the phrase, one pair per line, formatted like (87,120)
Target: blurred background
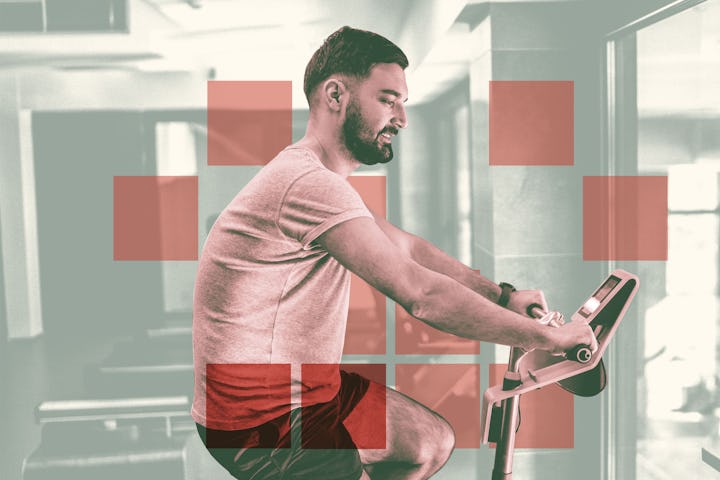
(96,361)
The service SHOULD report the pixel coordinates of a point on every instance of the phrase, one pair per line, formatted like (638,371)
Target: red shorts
(308,443)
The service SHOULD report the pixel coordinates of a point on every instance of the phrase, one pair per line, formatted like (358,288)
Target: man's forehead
(387,78)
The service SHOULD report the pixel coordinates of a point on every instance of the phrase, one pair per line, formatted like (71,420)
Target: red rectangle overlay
(248,122)
(366,331)
(155,218)
(547,415)
(373,191)
(248,396)
(531,122)
(452,390)
(625,218)
(355,417)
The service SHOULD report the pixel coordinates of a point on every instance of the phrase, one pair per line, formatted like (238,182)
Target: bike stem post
(505,447)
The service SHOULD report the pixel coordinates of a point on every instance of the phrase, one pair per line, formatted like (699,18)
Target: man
(271,296)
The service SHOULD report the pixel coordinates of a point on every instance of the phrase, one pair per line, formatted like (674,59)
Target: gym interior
(608,157)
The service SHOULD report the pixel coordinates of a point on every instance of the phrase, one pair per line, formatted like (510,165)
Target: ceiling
(267,38)
(247,39)
(273,39)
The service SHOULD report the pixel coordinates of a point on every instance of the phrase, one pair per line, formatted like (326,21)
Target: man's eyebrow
(390,91)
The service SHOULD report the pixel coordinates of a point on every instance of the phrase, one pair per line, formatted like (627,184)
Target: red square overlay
(452,390)
(547,415)
(625,218)
(248,122)
(155,218)
(240,391)
(415,337)
(365,332)
(531,122)
(362,413)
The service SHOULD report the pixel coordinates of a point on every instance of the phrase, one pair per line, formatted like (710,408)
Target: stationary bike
(579,371)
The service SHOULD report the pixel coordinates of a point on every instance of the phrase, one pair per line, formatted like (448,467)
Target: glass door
(665,121)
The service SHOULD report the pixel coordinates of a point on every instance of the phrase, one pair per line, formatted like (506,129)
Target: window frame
(620,140)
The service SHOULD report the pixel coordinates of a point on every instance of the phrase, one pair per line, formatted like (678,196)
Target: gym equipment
(156,363)
(580,371)
(134,424)
(140,438)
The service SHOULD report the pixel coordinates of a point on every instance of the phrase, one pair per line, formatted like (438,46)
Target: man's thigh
(246,460)
(309,443)
(412,431)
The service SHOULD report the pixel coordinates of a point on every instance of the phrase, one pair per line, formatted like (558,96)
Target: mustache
(390,129)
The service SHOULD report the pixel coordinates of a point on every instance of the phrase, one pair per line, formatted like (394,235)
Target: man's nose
(400,118)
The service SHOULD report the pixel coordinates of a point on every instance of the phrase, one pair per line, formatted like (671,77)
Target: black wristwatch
(505,290)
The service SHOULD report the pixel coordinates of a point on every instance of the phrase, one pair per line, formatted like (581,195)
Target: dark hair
(351,52)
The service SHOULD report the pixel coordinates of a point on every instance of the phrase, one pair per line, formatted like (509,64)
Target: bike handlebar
(579,353)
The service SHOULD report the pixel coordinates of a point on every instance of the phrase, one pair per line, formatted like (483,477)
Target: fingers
(593,343)
(569,336)
(552,319)
(522,299)
(572,335)
(588,336)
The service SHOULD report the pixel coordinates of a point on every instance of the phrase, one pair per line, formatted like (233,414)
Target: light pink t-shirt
(267,298)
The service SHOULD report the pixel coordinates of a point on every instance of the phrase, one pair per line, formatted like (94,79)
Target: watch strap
(505,290)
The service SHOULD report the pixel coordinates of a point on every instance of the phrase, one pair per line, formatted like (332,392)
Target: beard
(355,131)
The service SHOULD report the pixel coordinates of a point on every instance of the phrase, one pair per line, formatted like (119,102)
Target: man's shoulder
(291,163)
(299,167)
(296,156)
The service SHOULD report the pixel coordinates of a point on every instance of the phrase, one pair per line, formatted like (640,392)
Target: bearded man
(272,293)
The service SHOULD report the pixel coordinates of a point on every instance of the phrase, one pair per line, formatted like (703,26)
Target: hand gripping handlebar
(579,353)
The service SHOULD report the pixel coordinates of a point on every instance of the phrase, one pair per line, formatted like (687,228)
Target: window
(674,76)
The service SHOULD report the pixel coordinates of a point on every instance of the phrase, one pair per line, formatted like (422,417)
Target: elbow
(420,304)
(416,309)
(423,297)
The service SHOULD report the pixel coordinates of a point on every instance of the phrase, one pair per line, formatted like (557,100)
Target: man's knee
(446,440)
(439,444)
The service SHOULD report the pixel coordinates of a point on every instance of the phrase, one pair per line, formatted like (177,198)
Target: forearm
(431,257)
(382,258)
(449,307)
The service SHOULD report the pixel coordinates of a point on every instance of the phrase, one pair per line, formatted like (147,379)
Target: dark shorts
(277,450)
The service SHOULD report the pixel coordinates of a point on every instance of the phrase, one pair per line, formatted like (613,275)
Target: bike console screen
(594,302)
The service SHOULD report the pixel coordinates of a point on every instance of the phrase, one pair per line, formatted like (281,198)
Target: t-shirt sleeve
(316,202)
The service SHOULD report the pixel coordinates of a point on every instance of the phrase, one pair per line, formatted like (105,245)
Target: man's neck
(330,150)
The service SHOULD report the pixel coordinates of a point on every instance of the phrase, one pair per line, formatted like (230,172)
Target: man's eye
(388,102)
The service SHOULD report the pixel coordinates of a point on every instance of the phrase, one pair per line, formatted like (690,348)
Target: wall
(528,218)
(46,89)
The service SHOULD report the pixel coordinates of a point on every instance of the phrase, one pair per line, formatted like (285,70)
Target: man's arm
(430,256)
(435,298)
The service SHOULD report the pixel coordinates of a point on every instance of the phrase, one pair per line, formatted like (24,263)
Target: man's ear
(334,93)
